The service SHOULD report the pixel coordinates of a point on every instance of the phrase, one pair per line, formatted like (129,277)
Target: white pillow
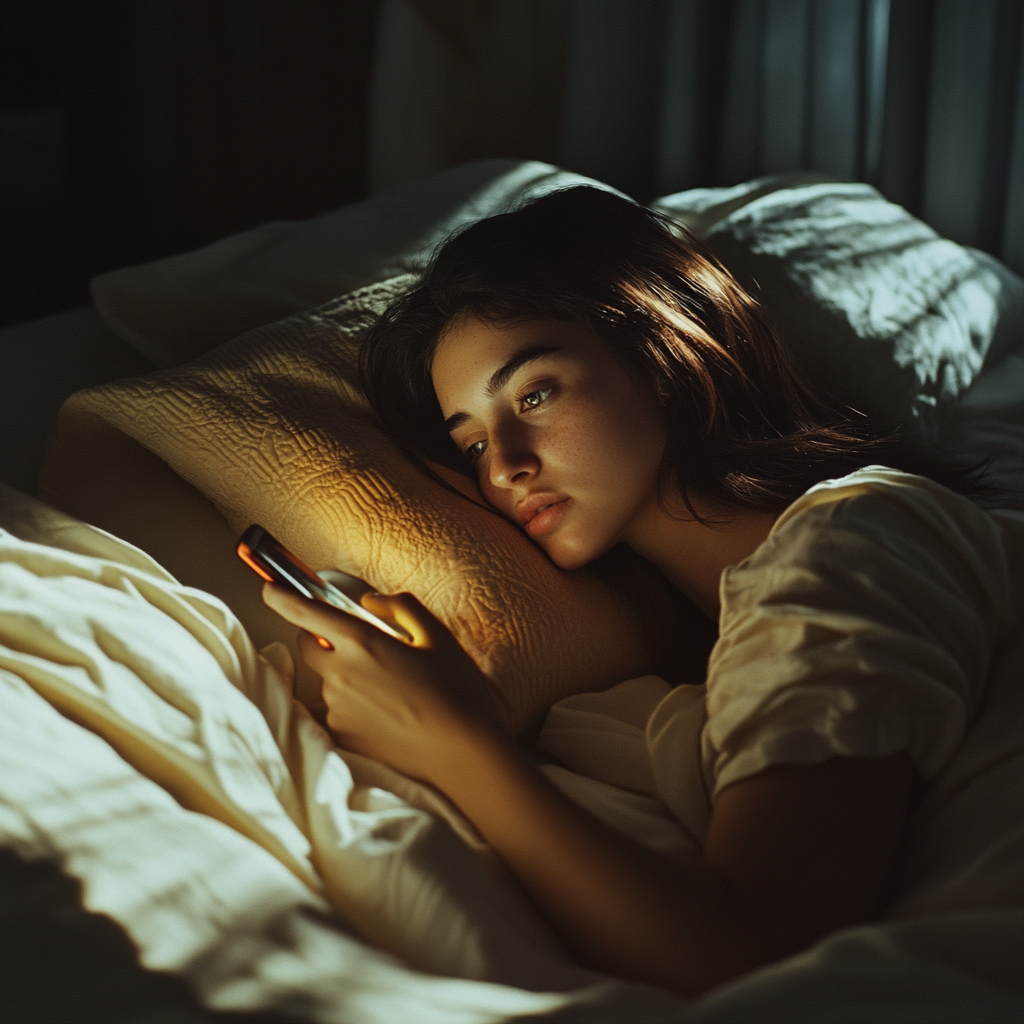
(174,309)
(880,311)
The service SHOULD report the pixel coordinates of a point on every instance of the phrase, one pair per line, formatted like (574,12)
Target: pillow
(174,309)
(273,430)
(878,311)
(881,312)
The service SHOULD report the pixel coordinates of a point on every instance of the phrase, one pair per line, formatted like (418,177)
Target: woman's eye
(475,450)
(535,398)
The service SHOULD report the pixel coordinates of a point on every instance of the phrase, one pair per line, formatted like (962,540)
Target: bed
(157,744)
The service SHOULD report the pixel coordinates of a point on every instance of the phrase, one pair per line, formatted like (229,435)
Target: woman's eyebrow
(501,377)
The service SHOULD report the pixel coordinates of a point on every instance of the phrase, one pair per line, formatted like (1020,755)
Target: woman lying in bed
(606,381)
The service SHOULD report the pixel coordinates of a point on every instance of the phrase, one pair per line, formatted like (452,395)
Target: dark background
(131,130)
(134,129)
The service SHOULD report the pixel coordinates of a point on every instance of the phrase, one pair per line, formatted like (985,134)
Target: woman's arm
(792,852)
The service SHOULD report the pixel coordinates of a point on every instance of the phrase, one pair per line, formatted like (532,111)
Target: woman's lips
(548,519)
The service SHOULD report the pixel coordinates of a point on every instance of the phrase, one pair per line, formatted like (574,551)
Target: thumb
(405,610)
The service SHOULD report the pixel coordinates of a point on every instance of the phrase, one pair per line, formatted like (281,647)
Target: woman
(606,381)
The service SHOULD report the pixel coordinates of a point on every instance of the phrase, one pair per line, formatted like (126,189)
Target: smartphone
(276,564)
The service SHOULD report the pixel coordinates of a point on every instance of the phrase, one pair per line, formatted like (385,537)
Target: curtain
(922,98)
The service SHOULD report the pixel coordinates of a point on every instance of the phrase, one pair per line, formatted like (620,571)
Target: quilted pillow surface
(272,429)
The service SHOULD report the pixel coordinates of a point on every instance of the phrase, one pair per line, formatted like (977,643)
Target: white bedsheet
(146,746)
(150,750)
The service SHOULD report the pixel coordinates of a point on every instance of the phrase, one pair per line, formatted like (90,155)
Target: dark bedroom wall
(32,186)
(133,129)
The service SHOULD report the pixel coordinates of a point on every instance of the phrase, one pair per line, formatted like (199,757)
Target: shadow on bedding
(61,963)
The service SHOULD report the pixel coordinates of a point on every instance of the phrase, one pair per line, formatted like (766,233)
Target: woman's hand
(410,705)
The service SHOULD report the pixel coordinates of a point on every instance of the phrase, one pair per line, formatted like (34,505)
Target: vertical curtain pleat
(785,96)
(614,88)
(1013,221)
(740,143)
(970,119)
(680,125)
(695,52)
(835,88)
(876,15)
(904,125)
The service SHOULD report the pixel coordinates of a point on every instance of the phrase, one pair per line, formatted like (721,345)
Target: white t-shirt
(883,613)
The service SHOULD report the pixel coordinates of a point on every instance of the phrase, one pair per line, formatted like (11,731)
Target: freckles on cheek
(575,439)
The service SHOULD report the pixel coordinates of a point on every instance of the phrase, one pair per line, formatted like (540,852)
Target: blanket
(148,748)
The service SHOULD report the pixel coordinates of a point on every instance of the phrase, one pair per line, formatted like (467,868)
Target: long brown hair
(743,430)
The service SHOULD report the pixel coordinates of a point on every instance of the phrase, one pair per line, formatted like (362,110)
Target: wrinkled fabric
(209,817)
(631,756)
(151,750)
(867,623)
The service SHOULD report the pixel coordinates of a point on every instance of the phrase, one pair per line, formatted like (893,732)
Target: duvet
(152,751)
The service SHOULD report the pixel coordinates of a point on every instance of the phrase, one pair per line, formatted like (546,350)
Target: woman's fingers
(312,650)
(400,703)
(335,626)
(318,618)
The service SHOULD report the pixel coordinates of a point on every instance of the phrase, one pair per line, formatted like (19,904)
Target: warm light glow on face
(551,418)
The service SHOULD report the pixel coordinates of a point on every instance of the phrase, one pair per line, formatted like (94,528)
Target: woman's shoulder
(902,513)
(885,546)
(866,623)
(891,485)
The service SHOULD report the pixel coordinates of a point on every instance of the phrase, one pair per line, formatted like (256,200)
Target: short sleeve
(865,625)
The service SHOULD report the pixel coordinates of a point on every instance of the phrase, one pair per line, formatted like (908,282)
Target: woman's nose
(511,464)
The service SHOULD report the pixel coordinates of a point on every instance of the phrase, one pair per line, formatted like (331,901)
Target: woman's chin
(569,553)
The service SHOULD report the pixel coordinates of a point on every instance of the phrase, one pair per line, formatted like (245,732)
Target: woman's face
(565,442)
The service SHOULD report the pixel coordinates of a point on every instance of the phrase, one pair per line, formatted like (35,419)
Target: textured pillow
(272,429)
